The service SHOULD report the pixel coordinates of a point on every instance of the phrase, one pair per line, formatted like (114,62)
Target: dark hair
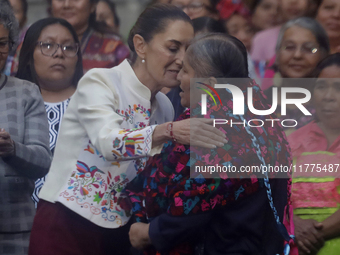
(218,55)
(92,19)
(213,5)
(318,3)
(154,20)
(331,60)
(206,24)
(8,20)
(254,5)
(24,7)
(112,6)
(157,1)
(26,70)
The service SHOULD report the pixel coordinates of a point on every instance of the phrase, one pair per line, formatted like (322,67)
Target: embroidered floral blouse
(104,139)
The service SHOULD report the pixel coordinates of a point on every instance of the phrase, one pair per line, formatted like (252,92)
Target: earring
(143,60)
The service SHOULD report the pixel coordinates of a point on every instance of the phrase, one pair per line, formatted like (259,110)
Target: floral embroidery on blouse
(129,114)
(92,188)
(96,184)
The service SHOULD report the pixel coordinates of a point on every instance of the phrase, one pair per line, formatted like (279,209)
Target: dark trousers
(59,231)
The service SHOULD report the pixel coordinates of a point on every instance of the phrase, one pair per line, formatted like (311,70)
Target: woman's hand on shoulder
(194,132)
(198,132)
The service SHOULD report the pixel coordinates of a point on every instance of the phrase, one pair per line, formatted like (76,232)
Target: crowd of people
(99,136)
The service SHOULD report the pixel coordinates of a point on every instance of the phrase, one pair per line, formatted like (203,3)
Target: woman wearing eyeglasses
(24,150)
(50,58)
(302,44)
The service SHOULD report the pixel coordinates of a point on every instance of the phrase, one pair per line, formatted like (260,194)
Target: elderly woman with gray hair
(320,38)
(24,146)
(301,45)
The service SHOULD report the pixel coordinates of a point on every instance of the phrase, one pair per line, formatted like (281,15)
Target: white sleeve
(96,112)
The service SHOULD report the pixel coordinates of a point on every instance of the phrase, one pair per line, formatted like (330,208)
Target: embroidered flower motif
(116,142)
(98,197)
(142,124)
(201,191)
(117,178)
(89,149)
(98,176)
(264,149)
(278,146)
(104,202)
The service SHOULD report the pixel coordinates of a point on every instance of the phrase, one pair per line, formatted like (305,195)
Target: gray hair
(8,20)
(218,55)
(313,26)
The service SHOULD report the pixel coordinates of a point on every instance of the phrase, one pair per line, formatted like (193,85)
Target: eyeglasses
(5,46)
(50,48)
(304,48)
(194,7)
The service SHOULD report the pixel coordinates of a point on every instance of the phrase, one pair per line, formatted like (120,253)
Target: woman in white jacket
(111,127)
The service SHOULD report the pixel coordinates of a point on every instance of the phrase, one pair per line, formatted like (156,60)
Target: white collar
(133,81)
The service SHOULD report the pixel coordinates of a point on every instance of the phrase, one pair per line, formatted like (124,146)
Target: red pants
(59,231)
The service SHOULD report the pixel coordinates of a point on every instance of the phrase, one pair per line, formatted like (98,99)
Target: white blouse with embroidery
(104,139)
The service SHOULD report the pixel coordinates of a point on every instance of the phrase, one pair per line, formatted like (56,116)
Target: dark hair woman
(114,121)
(51,58)
(328,16)
(27,70)
(264,14)
(315,192)
(190,211)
